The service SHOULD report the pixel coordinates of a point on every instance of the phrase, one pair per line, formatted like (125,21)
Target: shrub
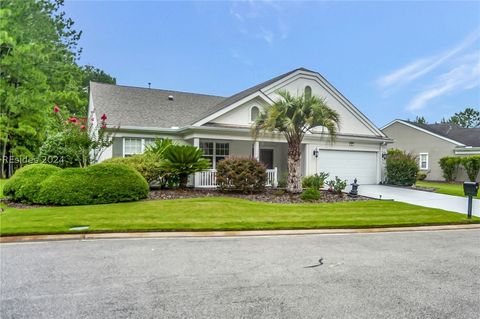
(183,160)
(97,184)
(60,150)
(421,176)
(315,181)
(147,165)
(23,185)
(282,181)
(241,174)
(402,168)
(337,185)
(310,194)
(472,166)
(449,166)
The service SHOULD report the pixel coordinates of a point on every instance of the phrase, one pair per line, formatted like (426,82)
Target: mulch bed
(269,196)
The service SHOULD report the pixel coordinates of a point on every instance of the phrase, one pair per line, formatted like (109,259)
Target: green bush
(97,184)
(337,185)
(282,181)
(421,176)
(402,168)
(241,174)
(449,166)
(61,151)
(315,181)
(183,160)
(24,184)
(146,164)
(472,166)
(310,194)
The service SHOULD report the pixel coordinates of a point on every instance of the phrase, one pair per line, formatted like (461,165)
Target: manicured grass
(2,183)
(444,188)
(220,213)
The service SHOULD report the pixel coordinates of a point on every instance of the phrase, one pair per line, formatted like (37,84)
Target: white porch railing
(208,178)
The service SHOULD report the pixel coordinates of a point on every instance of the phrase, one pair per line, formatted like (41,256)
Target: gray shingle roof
(143,107)
(467,136)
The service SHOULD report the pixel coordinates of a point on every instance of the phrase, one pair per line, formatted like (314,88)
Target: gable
(407,137)
(352,120)
(240,115)
(405,132)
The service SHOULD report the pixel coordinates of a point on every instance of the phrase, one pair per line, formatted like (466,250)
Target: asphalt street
(378,275)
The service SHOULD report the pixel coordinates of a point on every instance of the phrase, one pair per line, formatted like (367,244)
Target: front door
(266,157)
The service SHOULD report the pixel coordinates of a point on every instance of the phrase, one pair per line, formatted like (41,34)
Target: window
(254,113)
(423,160)
(135,145)
(132,146)
(308,92)
(215,152)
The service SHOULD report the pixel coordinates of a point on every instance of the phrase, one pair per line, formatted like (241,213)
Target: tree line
(39,53)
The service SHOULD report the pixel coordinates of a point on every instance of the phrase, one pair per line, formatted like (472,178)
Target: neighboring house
(221,127)
(430,142)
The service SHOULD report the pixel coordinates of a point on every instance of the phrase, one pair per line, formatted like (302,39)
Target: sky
(390,59)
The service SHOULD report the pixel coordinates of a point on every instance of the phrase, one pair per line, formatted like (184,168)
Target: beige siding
(415,141)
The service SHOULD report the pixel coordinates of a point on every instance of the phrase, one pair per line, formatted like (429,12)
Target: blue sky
(392,60)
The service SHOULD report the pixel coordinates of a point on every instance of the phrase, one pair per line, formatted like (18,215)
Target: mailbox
(470,188)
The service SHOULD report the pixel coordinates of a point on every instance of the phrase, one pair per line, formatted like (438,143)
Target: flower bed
(268,196)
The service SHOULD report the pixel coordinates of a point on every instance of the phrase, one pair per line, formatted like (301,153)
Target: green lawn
(220,213)
(2,183)
(444,188)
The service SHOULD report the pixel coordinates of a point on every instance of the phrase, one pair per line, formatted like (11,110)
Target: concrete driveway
(387,275)
(421,198)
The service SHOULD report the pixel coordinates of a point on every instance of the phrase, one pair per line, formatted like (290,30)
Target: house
(221,127)
(430,142)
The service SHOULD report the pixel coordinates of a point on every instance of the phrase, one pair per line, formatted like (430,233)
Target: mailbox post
(470,189)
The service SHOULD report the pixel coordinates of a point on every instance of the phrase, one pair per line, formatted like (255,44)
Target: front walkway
(421,198)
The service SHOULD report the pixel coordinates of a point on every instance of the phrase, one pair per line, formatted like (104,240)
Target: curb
(246,233)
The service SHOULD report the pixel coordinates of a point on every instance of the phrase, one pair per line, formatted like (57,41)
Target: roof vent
(170,97)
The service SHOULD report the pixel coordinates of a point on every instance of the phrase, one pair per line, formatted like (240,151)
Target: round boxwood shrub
(241,174)
(24,184)
(310,194)
(97,184)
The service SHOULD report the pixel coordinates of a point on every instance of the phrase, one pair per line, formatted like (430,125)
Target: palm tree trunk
(293,182)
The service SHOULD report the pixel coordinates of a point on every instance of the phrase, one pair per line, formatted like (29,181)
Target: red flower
(73,120)
(104,126)
(83,127)
(56,109)
(104,117)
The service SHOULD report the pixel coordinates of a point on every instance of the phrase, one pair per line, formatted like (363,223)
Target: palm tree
(294,116)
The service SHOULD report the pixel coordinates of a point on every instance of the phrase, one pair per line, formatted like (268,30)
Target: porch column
(256,150)
(196,176)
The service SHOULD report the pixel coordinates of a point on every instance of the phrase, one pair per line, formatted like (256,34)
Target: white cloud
(419,67)
(251,18)
(460,78)
(240,58)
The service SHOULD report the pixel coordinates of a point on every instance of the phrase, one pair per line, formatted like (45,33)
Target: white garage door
(349,165)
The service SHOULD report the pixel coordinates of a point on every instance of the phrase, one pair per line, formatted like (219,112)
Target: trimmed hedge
(23,186)
(147,165)
(402,168)
(96,184)
(241,174)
